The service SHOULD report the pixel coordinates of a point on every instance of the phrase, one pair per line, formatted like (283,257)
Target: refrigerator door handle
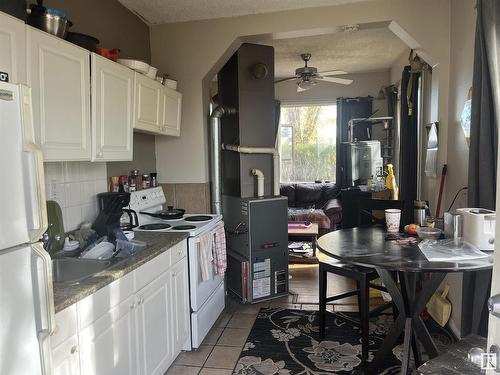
(47,302)
(37,177)
(39,196)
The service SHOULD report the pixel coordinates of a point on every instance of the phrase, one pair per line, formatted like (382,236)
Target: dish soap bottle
(390,182)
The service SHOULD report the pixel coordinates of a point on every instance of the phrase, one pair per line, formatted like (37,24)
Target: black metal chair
(362,275)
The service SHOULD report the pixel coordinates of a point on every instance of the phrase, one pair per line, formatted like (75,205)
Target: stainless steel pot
(50,23)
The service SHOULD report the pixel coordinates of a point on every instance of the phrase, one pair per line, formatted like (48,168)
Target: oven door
(200,290)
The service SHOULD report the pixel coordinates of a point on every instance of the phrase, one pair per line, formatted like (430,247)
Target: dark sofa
(321,200)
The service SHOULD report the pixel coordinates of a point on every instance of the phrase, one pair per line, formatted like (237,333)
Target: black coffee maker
(111,209)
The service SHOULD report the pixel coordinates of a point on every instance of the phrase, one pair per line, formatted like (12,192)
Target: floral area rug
(286,342)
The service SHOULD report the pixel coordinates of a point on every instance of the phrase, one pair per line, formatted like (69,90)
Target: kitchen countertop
(66,295)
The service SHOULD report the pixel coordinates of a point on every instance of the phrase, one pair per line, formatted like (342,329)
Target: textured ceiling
(167,11)
(355,52)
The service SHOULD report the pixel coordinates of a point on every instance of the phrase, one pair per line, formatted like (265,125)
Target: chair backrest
(367,205)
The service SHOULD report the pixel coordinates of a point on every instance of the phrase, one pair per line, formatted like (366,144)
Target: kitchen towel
(205,255)
(220,260)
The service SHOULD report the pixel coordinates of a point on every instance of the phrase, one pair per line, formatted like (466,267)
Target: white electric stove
(207,298)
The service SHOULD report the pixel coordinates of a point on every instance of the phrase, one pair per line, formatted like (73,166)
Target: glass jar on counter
(145,181)
(153,182)
(124,184)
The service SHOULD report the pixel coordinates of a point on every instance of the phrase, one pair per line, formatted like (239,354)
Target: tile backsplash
(74,186)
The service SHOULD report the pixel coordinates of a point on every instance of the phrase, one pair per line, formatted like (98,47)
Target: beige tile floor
(222,347)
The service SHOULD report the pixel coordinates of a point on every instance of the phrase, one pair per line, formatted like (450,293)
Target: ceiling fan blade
(285,79)
(332,72)
(341,81)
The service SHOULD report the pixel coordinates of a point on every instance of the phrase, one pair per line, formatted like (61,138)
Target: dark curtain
(347,109)
(408,143)
(391,94)
(484,110)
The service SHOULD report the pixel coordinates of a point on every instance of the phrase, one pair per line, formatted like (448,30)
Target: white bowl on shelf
(152,72)
(137,65)
(170,83)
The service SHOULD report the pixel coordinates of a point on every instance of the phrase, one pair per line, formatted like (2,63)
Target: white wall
(193,52)
(463,20)
(396,70)
(74,186)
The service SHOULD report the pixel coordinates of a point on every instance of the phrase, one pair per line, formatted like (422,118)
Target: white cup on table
(392,219)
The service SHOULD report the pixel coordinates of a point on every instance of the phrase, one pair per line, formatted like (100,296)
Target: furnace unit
(257,247)
(245,173)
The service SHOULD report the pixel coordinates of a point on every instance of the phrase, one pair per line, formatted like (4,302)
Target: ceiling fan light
(306,84)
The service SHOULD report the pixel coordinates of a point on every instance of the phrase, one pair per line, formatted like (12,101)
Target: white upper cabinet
(59,75)
(148,104)
(171,119)
(157,107)
(13,48)
(112,110)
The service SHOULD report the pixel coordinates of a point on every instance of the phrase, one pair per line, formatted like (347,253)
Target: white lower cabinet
(180,306)
(139,335)
(65,360)
(154,325)
(108,346)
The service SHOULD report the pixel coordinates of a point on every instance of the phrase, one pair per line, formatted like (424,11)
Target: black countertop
(66,294)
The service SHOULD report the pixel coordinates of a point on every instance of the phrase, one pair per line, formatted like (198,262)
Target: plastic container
(128,248)
(429,233)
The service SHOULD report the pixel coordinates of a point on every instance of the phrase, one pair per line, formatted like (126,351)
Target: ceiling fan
(308,76)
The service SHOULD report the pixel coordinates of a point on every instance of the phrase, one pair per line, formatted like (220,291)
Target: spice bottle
(145,181)
(153,182)
(135,178)
(114,187)
(124,183)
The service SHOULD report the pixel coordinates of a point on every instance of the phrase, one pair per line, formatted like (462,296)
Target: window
(307,142)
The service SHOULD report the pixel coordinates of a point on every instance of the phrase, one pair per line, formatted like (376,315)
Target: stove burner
(183,227)
(198,218)
(155,226)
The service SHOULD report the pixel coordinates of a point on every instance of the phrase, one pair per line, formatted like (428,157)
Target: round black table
(368,247)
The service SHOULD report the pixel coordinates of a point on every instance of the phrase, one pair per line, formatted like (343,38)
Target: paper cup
(392,218)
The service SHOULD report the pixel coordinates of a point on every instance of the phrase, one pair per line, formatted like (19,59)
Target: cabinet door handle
(74,349)
(132,306)
(99,154)
(174,274)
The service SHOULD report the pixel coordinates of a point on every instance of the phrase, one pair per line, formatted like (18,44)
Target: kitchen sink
(73,270)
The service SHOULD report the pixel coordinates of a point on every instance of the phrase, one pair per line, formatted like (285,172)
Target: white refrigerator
(26,294)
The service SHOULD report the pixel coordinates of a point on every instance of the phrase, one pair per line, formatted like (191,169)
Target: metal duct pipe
(215,140)
(260,181)
(262,150)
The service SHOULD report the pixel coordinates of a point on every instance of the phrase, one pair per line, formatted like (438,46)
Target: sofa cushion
(330,191)
(308,195)
(288,190)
